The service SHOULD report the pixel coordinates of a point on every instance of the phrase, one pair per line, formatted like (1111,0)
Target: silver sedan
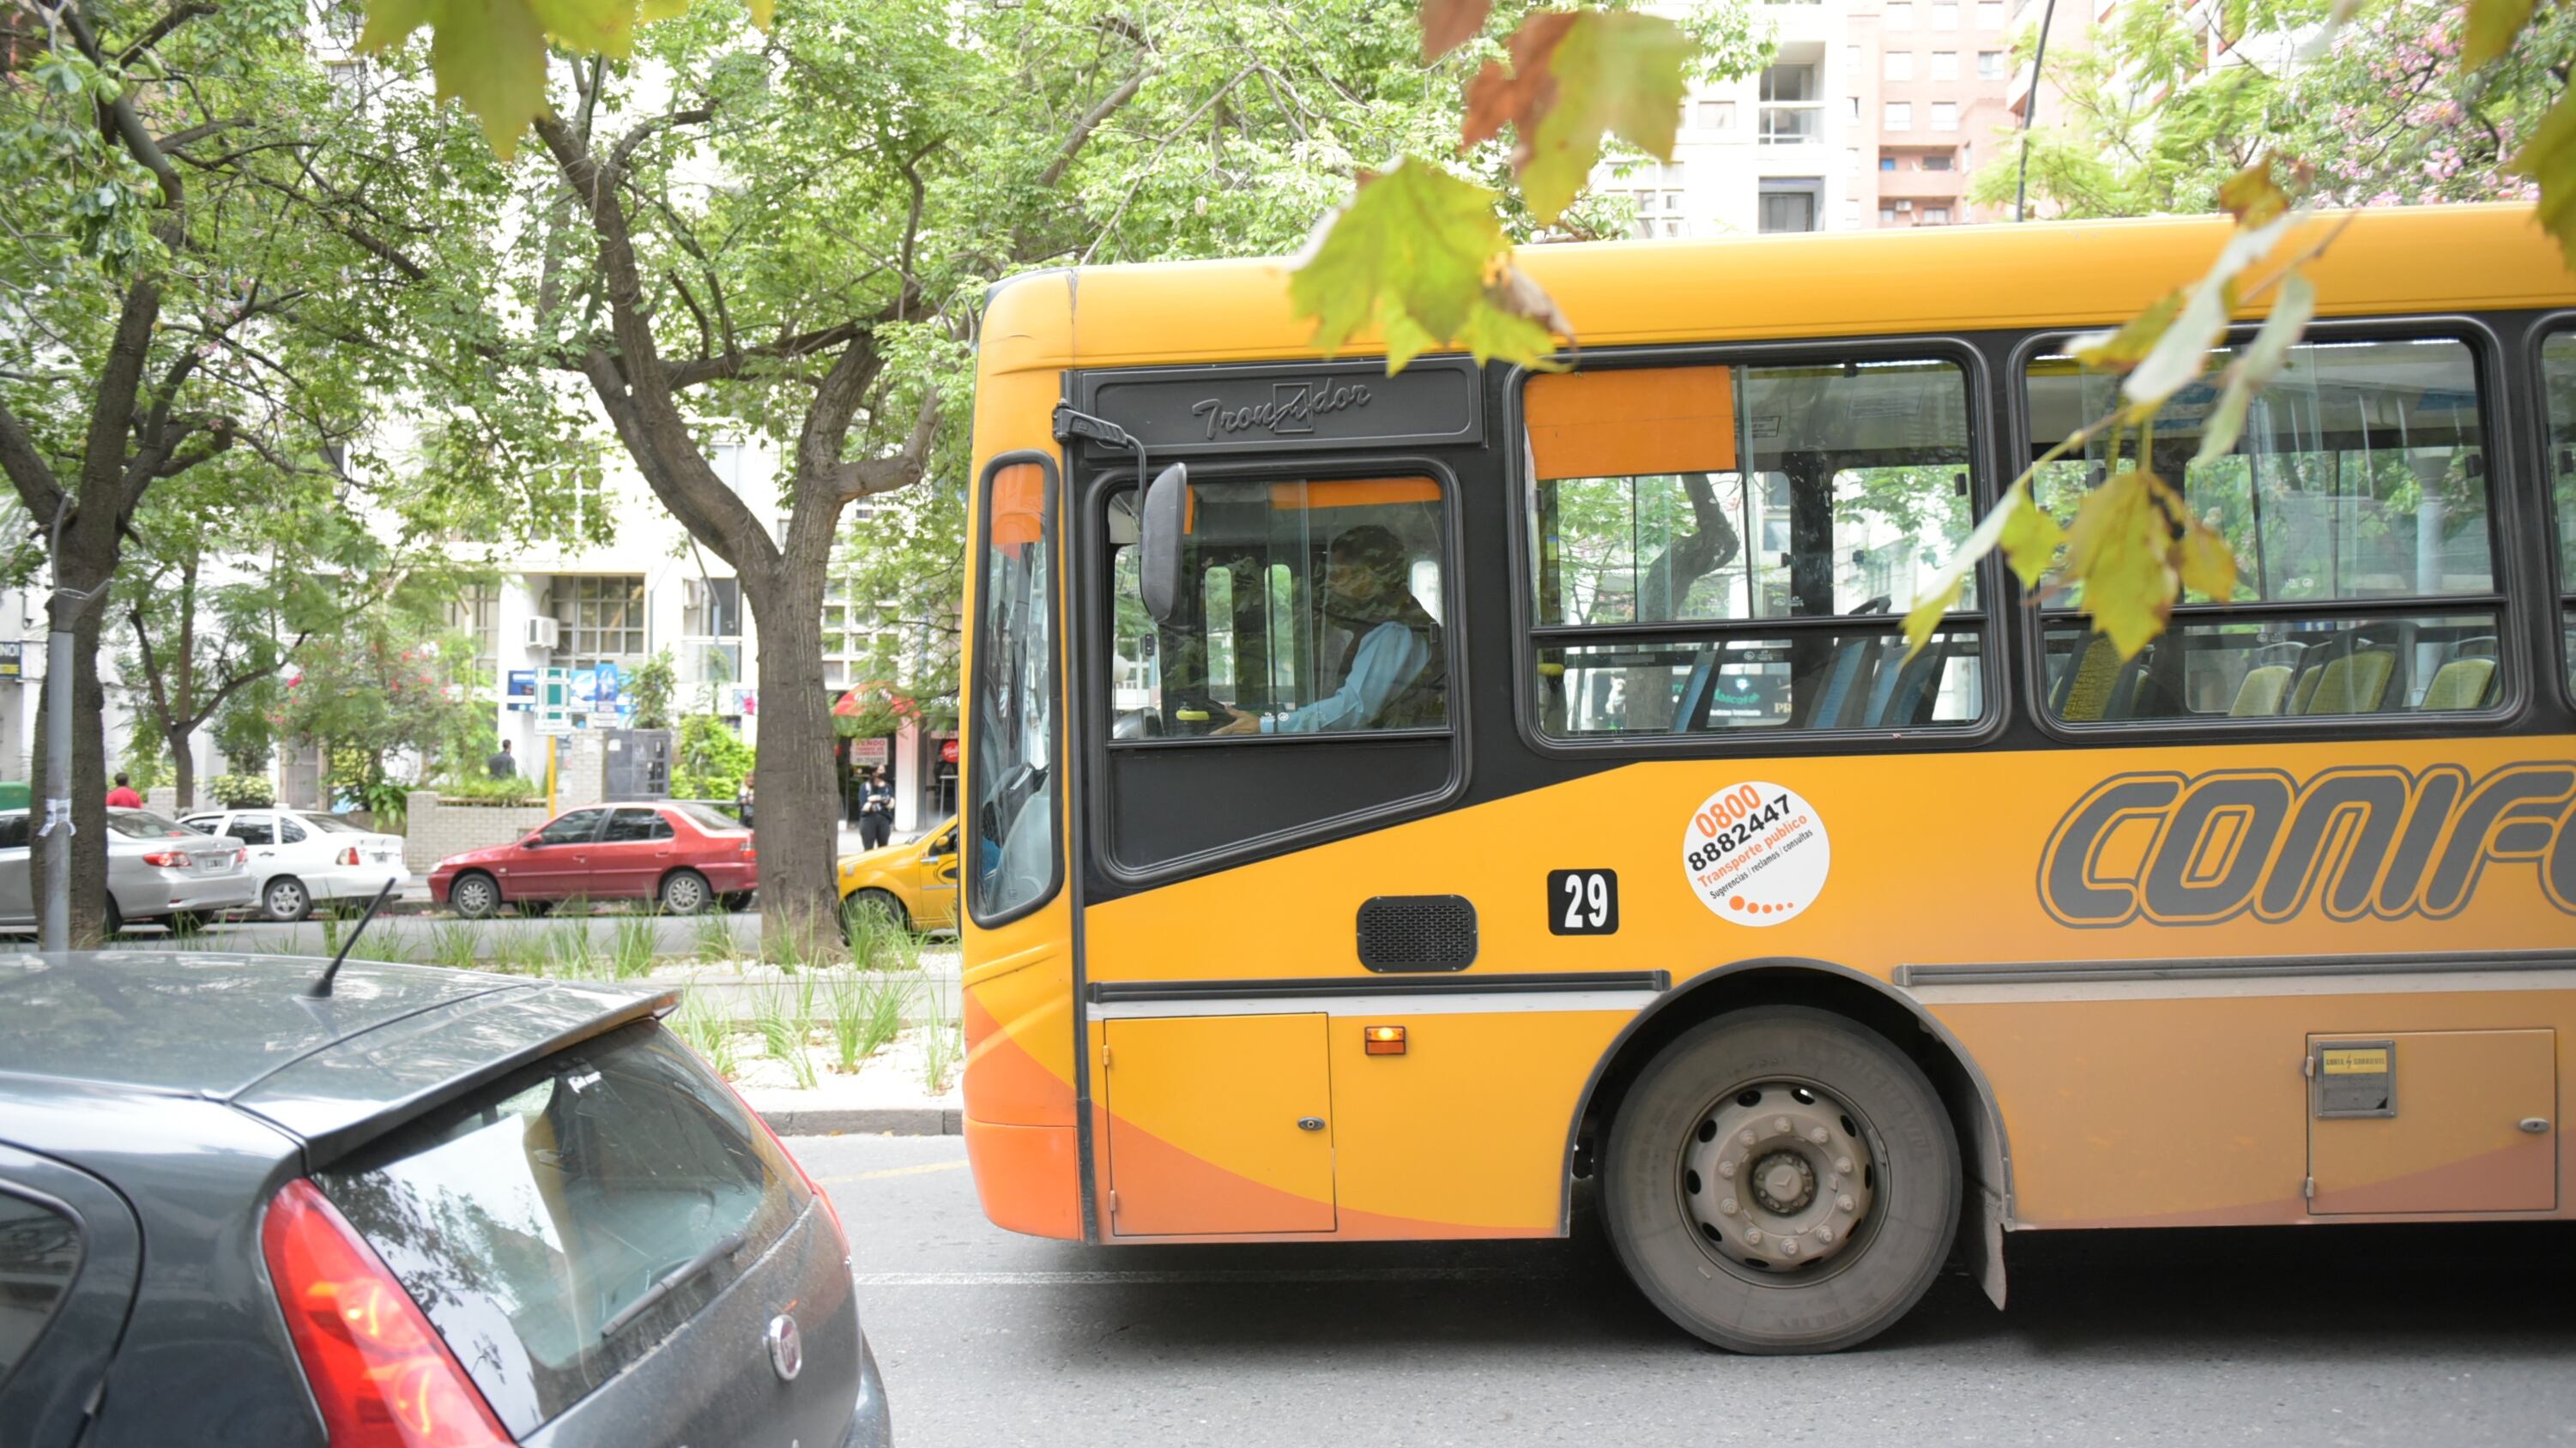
(156,871)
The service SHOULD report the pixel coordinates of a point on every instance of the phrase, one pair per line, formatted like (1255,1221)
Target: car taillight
(749,848)
(380,1373)
(801,1173)
(167,859)
(349,856)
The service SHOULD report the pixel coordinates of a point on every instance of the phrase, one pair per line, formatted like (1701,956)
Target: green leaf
(2030,537)
(2206,563)
(492,56)
(1616,74)
(2492,26)
(2120,549)
(1942,590)
(2252,196)
(2129,345)
(2255,369)
(2183,350)
(1413,251)
(2549,158)
(1925,615)
(390,22)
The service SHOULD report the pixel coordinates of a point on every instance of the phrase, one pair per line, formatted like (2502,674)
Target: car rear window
(527,1219)
(143,824)
(704,816)
(40,1251)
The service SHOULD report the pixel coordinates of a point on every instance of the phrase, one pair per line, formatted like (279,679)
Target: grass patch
(708,1031)
(519,952)
(782,1030)
(453,946)
(630,946)
(570,955)
(943,1049)
(715,943)
(866,1014)
(877,942)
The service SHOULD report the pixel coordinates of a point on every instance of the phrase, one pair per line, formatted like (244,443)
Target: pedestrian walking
(876,810)
(123,796)
(503,765)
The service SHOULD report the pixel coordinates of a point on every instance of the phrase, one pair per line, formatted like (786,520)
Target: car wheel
(686,892)
(114,924)
(1782,1180)
(476,897)
(882,903)
(285,900)
(737,901)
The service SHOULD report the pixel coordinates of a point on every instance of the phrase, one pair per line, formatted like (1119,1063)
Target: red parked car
(684,855)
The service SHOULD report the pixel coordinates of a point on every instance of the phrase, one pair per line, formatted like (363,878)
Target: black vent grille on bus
(1417,932)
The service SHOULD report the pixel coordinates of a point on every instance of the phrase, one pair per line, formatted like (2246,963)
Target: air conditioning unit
(543,633)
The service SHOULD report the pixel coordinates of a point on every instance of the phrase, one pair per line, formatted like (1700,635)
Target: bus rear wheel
(1782,1180)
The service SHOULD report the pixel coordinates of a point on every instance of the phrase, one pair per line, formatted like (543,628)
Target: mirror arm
(1070,424)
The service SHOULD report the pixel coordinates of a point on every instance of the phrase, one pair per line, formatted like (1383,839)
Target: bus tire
(1782,1180)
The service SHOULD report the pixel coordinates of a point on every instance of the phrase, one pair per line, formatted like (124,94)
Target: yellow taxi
(915,884)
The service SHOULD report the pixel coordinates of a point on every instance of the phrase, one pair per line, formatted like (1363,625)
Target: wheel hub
(1775,1175)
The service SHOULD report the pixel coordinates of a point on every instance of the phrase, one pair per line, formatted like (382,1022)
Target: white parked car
(298,857)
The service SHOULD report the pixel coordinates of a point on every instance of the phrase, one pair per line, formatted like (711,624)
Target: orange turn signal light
(1383,1040)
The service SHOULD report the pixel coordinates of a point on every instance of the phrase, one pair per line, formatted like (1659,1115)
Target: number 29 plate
(1583,902)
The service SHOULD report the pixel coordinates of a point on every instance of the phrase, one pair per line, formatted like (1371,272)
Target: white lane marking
(1433,1003)
(1210,1277)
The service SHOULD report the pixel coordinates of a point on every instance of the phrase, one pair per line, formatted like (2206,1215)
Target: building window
(1990,14)
(1900,115)
(1936,216)
(1900,15)
(476,612)
(1789,106)
(1945,65)
(1945,115)
(1937,161)
(1855,108)
(1672,174)
(600,619)
(1899,65)
(1945,14)
(1717,115)
(1887,216)
(1887,163)
(1990,65)
(1790,205)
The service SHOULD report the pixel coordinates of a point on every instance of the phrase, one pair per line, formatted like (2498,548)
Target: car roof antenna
(321,989)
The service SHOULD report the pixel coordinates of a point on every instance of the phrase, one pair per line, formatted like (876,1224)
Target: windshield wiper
(663,1284)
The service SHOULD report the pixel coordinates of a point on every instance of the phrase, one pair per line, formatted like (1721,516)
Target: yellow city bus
(1393,799)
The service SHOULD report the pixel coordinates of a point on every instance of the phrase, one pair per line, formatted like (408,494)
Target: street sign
(521,694)
(869,751)
(554,701)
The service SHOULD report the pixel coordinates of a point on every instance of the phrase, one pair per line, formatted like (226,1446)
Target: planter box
(440,827)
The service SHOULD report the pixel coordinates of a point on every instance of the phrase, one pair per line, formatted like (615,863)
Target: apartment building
(1871,114)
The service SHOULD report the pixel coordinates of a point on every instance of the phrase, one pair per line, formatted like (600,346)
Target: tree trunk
(183,767)
(89,759)
(795,806)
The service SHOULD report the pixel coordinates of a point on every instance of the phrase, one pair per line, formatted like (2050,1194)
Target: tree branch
(868,477)
(26,467)
(160,30)
(1090,122)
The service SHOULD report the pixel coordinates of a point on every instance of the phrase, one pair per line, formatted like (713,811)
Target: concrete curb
(874,1121)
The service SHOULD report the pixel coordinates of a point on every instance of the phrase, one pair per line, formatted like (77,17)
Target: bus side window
(2360,477)
(2558,386)
(1789,511)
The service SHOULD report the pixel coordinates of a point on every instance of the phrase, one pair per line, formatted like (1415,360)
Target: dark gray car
(434,1207)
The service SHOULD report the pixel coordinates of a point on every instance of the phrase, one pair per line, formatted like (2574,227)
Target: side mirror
(531,842)
(1158,547)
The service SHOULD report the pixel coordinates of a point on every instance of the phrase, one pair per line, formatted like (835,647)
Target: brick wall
(442,827)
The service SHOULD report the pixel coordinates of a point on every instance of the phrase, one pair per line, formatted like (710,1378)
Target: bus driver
(1389,677)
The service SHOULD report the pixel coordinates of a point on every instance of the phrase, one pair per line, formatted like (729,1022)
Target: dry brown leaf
(1448,24)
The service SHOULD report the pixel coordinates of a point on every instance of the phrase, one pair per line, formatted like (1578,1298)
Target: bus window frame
(1998,678)
(2559,563)
(2507,603)
(1094,618)
(970,776)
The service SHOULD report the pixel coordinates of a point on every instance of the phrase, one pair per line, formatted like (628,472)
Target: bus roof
(1830,284)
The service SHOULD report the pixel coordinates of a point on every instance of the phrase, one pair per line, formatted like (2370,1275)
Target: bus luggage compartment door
(1219,1124)
(2433,1121)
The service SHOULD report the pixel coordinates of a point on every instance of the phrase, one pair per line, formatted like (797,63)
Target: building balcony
(1794,124)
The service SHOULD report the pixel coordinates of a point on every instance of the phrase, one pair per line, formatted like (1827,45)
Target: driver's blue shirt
(1388,659)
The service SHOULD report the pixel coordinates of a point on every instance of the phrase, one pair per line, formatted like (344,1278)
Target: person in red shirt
(123,796)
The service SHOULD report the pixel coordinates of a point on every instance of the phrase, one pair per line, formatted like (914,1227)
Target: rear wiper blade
(663,1284)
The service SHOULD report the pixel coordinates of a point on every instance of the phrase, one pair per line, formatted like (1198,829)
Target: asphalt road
(2360,1335)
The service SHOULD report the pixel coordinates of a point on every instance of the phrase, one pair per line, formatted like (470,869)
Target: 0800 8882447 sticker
(1756,853)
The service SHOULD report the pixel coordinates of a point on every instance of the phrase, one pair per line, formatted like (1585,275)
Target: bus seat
(1694,695)
(1846,684)
(2460,684)
(2356,683)
(1902,695)
(2086,686)
(2260,693)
